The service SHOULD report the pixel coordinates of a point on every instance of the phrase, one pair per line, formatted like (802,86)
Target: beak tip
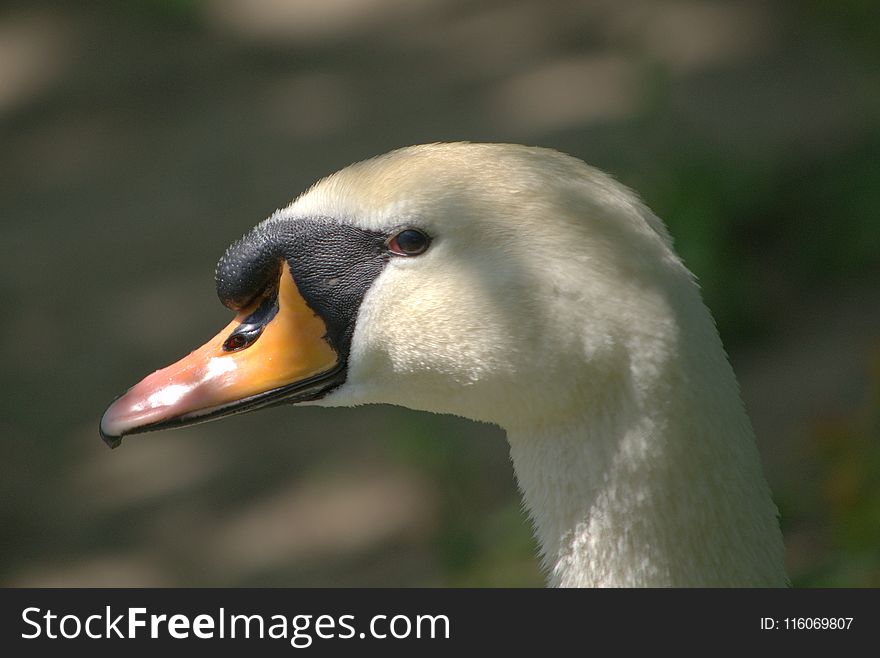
(111,428)
(113,440)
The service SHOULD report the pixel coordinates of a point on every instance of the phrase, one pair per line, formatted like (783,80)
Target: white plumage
(551,303)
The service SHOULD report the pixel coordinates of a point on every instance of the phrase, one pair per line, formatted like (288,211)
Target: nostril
(247,333)
(244,336)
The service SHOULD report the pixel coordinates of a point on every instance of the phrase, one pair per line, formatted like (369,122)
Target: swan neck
(622,498)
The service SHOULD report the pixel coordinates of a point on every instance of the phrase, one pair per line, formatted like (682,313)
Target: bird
(513,285)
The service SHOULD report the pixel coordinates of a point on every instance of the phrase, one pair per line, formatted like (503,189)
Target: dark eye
(408,242)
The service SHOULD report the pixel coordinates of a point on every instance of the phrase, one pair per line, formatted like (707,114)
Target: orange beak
(290,360)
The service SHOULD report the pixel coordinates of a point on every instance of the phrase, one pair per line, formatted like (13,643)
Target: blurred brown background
(140,138)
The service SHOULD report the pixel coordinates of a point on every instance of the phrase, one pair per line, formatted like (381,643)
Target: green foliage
(844,518)
(710,205)
(483,537)
(855,21)
(167,13)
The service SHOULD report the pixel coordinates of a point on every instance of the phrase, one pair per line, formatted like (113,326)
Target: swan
(511,285)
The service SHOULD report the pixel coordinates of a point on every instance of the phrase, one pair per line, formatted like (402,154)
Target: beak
(260,359)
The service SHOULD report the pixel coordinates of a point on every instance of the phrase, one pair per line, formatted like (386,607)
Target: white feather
(552,303)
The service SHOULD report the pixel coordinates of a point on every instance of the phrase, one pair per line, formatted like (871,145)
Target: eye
(408,242)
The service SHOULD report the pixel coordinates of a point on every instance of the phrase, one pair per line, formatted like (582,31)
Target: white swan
(516,286)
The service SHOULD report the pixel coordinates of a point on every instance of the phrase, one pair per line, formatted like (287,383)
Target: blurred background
(139,138)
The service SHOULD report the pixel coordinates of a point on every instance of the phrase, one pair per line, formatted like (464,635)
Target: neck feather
(653,486)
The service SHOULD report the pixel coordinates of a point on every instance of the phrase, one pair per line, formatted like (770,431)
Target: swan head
(497,282)
(515,286)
